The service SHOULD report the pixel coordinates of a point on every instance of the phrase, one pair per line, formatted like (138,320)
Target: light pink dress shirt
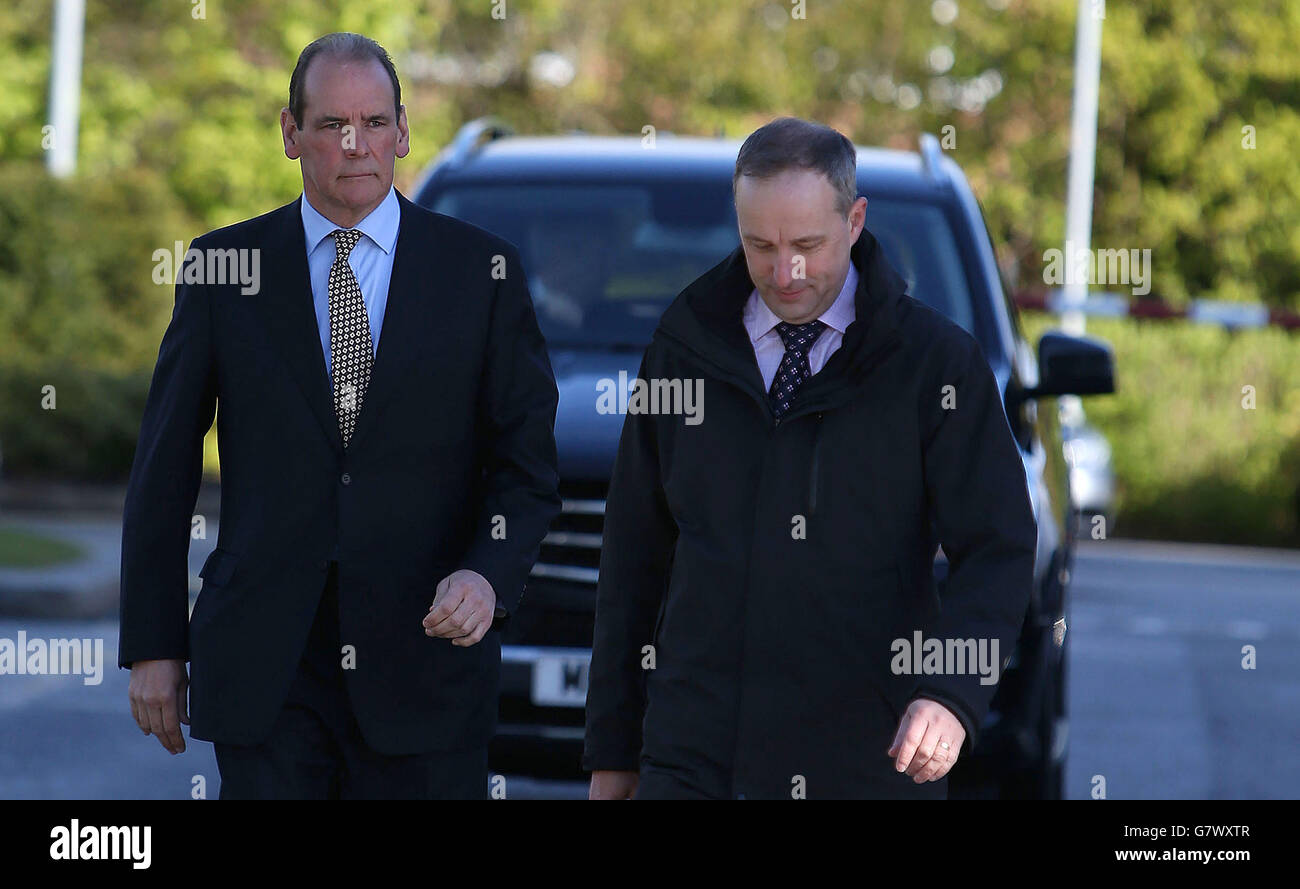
(760,322)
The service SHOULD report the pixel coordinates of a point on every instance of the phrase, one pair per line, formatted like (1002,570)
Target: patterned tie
(794,369)
(350,345)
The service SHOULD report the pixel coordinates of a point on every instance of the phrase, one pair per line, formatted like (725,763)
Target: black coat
(772,653)
(456,427)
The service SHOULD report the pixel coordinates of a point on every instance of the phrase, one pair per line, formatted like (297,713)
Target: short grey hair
(790,143)
(341,45)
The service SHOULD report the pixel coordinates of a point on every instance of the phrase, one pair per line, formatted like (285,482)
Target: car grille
(571,549)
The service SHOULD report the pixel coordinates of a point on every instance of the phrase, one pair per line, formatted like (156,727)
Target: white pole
(1083,152)
(65,85)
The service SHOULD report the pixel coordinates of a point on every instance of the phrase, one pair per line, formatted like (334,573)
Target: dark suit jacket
(456,428)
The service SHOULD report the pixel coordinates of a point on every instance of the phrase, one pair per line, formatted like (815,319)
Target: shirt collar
(380,224)
(760,320)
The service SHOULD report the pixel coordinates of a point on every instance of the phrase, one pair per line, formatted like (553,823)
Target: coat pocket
(217,572)
(218,569)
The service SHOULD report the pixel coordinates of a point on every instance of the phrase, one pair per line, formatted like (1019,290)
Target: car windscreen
(604,260)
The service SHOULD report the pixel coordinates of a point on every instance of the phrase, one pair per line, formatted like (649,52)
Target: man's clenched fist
(464,604)
(926,743)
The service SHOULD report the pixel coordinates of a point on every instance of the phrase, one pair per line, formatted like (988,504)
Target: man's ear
(289,132)
(403,134)
(857,219)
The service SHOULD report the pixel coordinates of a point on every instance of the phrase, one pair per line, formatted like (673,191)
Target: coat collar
(706,319)
(287,310)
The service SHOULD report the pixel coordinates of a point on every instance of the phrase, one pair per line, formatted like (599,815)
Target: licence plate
(560,680)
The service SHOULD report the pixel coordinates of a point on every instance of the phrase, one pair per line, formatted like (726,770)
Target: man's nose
(784,271)
(356,146)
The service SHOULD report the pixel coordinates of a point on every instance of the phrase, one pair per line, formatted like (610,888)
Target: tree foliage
(198,99)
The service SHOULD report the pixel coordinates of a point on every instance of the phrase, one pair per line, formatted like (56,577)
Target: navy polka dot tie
(794,369)
(350,346)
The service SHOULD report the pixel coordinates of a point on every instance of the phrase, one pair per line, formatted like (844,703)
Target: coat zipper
(814,470)
(814,474)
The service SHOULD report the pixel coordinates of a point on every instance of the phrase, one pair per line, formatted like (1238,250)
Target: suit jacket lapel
(290,316)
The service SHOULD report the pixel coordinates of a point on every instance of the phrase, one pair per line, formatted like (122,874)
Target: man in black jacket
(764,572)
(388,471)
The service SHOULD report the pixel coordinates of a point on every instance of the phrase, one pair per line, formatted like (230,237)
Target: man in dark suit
(388,472)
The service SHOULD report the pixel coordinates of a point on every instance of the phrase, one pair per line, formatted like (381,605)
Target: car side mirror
(1073,365)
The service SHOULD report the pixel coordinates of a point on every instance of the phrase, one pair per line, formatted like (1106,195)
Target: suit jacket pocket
(217,573)
(218,569)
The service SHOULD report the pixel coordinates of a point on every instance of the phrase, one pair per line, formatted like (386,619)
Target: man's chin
(797,311)
(358,192)
(360,188)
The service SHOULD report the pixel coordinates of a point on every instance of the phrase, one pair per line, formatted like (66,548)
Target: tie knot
(345,239)
(799,337)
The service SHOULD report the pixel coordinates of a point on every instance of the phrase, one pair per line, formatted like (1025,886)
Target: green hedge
(80,312)
(1191,463)
(88,435)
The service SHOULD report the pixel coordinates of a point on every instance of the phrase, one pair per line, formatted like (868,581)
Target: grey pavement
(1160,704)
(88,587)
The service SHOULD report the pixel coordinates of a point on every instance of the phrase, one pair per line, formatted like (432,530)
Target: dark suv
(610,231)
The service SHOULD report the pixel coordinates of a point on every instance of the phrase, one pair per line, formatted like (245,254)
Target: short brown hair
(790,143)
(343,45)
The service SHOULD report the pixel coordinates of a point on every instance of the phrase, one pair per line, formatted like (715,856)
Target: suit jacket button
(346,479)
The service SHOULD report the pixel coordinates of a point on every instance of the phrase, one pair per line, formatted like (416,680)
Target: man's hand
(613,785)
(463,607)
(919,742)
(158,701)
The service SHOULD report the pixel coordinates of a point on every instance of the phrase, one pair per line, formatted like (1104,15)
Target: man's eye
(377,122)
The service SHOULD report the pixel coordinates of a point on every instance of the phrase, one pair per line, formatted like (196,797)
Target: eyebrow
(806,239)
(332,118)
